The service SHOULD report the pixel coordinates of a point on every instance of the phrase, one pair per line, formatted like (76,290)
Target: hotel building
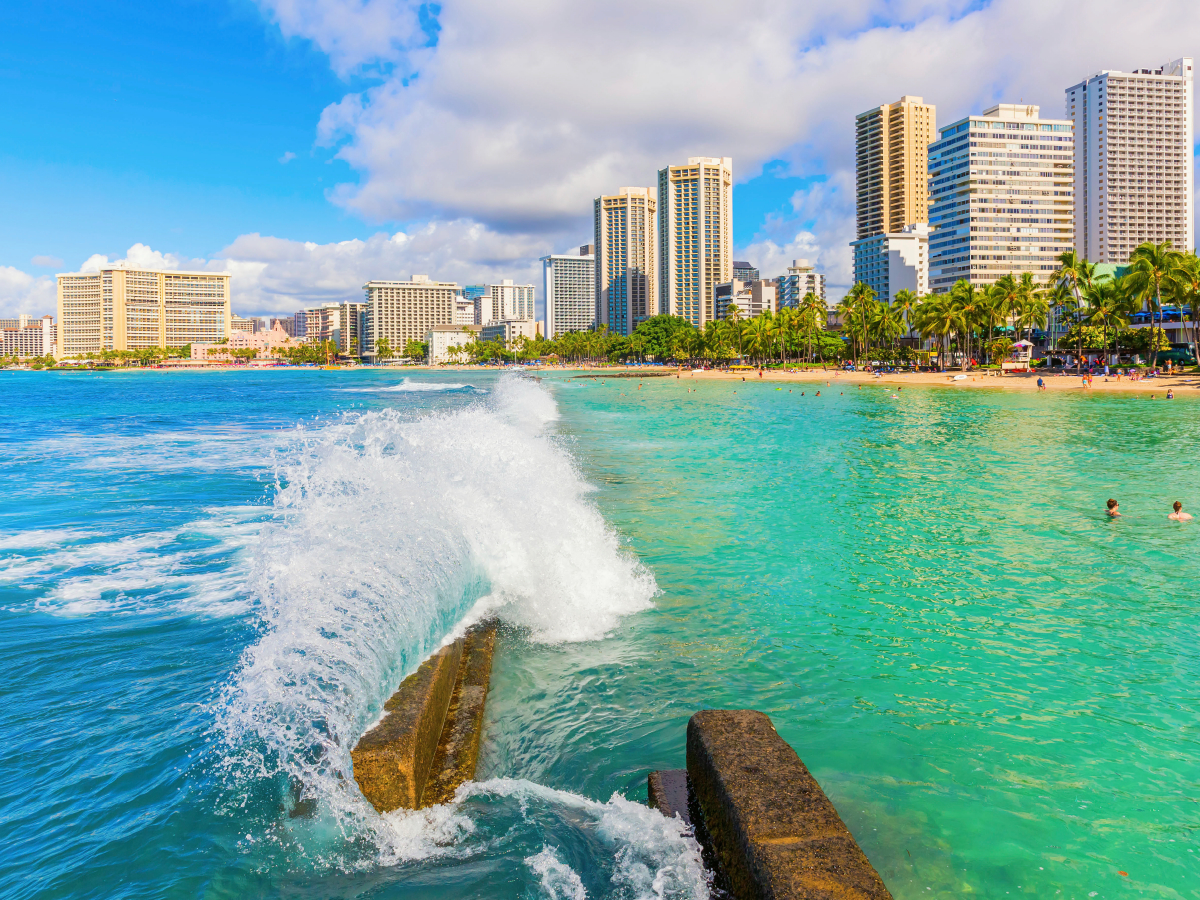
(26,336)
(135,309)
(441,338)
(506,301)
(751,298)
(800,280)
(1134,180)
(695,236)
(404,311)
(889,263)
(626,289)
(745,272)
(891,143)
(1000,189)
(343,323)
(569,286)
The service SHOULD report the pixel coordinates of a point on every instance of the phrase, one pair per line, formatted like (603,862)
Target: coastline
(1183,385)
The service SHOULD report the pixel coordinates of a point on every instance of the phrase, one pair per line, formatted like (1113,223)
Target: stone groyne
(427,742)
(767,828)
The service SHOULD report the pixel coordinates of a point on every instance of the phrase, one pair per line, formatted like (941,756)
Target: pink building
(267,343)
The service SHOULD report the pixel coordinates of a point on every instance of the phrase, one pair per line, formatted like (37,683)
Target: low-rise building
(268,344)
(441,338)
(890,263)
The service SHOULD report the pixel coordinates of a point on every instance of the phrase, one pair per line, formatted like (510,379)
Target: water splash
(388,532)
(409,386)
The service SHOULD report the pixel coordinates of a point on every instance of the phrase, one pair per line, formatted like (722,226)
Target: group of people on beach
(1178,515)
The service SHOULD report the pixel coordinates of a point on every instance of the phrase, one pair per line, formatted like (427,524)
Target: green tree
(383,350)
(416,350)
(1150,268)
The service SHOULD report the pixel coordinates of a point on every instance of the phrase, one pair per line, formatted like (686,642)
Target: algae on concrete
(772,828)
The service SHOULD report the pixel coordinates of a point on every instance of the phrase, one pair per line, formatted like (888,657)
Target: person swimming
(1114,508)
(1179,515)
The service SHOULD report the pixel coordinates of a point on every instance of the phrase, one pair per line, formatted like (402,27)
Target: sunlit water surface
(210,583)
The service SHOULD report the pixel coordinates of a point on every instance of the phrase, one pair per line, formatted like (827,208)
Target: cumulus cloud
(21,292)
(287,157)
(523,113)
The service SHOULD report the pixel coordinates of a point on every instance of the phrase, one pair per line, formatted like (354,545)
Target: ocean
(210,582)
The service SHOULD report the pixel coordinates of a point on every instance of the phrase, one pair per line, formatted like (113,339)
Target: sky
(307,146)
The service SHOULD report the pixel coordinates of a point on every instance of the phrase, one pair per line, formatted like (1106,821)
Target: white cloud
(287,157)
(47,262)
(525,112)
(21,292)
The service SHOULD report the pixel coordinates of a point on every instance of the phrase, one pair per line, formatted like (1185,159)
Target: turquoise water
(210,582)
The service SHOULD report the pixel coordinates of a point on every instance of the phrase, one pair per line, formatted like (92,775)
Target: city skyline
(294,202)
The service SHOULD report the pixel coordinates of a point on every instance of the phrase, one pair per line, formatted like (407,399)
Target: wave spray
(390,533)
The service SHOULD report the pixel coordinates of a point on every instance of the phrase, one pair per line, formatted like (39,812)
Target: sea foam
(390,531)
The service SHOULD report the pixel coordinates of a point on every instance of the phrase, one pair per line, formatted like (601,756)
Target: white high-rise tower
(1134,180)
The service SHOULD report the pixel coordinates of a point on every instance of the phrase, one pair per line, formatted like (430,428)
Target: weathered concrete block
(392,760)
(667,791)
(458,749)
(773,829)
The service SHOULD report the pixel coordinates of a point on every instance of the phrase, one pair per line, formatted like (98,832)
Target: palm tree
(1074,270)
(1185,285)
(965,300)
(1106,306)
(1034,307)
(858,310)
(812,315)
(1150,266)
(937,316)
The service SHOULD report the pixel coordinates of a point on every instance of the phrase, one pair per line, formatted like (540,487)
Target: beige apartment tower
(1134,180)
(136,309)
(891,165)
(695,236)
(626,287)
(404,311)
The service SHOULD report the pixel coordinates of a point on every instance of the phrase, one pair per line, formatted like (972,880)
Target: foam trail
(408,386)
(387,531)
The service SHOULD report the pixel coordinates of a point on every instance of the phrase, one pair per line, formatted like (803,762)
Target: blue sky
(160,123)
(165,124)
(306,145)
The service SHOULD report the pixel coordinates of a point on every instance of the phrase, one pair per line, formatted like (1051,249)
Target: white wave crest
(410,386)
(388,530)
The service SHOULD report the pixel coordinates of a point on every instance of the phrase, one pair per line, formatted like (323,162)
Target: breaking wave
(390,532)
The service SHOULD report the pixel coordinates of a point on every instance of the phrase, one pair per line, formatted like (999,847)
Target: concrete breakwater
(427,743)
(766,826)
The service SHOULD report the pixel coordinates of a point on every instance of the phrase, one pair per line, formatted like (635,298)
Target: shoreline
(974,380)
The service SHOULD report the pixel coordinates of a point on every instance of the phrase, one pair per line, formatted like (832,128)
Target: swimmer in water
(1114,509)
(818,393)
(1179,515)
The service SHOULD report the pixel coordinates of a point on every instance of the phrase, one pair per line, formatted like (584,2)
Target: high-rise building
(26,336)
(695,236)
(800,280)
(999,197)
(343,323)
(134,309)
(466,311)
(404,311)
(506,301)
(891,143)
(889,263)
(299,323)
(241,323)
(1134,180)
(569,286)
(626,289)
(743,271)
